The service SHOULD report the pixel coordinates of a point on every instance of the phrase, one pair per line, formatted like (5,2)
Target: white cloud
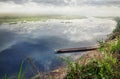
(67,2)
(37,8)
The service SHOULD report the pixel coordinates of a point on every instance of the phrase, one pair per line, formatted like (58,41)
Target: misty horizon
(61,7)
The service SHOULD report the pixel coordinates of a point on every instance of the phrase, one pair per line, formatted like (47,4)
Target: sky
(62,7)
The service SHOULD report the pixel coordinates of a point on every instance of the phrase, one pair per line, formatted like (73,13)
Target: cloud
(68,2)
(33,8)
(63,7)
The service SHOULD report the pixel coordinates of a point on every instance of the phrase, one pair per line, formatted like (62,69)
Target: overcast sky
(71,7)
(66,2)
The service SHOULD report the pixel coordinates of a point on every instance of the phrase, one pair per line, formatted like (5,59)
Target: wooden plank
(81,49)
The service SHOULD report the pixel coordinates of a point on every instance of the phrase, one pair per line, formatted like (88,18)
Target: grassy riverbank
(103,65)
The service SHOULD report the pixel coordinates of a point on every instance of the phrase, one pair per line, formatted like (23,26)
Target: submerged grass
(5,77)
(20,73)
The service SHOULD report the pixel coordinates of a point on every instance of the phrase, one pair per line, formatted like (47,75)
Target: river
(39,40)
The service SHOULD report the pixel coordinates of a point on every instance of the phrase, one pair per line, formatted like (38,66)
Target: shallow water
(39,40)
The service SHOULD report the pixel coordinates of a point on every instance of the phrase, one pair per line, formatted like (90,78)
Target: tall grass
(20,73)
(5,77)
(115,46)
(95,69)
(108,67)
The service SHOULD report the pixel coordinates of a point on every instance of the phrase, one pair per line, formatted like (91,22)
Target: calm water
(39,40)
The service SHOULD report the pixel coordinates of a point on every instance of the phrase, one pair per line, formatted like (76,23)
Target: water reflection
(7,38)
(39,40)
(41,51)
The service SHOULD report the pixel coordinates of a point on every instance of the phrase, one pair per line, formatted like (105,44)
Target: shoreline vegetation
(23,19)
(14,19)
(103,63)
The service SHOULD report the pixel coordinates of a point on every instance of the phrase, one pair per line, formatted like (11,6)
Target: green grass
(95,69)
(20,73)
(5,77)
(108,67)
(115,46)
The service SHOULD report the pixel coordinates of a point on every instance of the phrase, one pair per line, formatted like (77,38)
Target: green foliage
(95,69)
(106,68)
(103,46)
(110,47)
(115,46)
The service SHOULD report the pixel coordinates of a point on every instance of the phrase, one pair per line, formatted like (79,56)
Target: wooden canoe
(81,49)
